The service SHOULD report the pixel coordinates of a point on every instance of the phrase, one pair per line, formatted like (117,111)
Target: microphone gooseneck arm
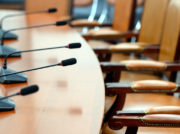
(32,50)
(66,62)
(70,46)
(22,28)
(31,69)
(9,96)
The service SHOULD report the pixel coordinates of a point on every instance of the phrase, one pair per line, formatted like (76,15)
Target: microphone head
(68,62)
(29,90)
(74,45)
(60,23)
(52,10)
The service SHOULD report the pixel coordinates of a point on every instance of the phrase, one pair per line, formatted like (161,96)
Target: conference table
(70,99)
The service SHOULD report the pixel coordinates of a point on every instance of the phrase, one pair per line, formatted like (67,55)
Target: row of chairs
(159,32)
(159,35)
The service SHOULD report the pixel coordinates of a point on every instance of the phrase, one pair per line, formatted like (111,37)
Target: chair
(123,22)
(85,22)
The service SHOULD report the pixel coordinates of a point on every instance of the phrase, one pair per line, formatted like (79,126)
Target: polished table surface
(70,100)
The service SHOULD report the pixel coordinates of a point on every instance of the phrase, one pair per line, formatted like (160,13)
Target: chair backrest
(153,21)
(171,34)
(81,3)
(124,15)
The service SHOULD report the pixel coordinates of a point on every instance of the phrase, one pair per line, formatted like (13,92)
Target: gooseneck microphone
(58,23)
(9,76)
(13,36)
(70,46)
(7,105)
(5,50)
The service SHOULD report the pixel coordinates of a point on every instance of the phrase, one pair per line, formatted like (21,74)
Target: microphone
(6,50)
(7,105)
(74,45)
(68,62)
(13,36)
(70,46)
(8,76)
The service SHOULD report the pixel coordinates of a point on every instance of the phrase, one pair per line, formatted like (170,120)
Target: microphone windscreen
(52,10)
(59,23)
(74,45)
(29,90)
(68,62)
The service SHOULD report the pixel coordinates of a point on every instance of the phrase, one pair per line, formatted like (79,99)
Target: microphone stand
(7,105)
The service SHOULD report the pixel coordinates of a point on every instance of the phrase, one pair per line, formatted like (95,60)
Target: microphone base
(12,79)
(5,50)
(6,105)
(8,36)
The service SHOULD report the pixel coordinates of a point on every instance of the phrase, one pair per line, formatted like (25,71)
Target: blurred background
(96,9)
(78,11)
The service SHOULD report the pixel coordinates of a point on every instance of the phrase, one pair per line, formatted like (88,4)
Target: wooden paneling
(171,32)
(153,21)
(63,6)
(70,100)
(123,15)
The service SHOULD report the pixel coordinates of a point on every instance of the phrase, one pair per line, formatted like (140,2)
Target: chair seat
(84,22)
(144,65)
(156,85)
(128,47)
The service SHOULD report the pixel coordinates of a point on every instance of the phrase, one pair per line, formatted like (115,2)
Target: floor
(139,101)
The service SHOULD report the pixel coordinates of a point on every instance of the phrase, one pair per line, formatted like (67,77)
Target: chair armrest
(112,66)
(128,48)
(111,36)
(149,49)
(138,47)
(155,120)
(144,86)
(86,23)
(140,65)
(152,110)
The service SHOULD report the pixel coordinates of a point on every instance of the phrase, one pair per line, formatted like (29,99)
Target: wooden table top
(70,100)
